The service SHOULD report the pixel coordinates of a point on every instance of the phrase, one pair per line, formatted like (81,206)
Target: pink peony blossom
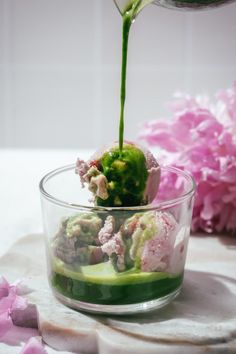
(201,138)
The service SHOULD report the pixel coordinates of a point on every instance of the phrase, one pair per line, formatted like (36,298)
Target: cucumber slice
(104,273)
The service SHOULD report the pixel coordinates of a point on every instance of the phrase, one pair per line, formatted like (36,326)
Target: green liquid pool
(100,284)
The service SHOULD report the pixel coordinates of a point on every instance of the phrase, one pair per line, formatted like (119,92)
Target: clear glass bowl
(122,5)
(116,260)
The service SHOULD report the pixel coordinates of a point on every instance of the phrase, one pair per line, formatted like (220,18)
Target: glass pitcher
(123,5)
(191,4)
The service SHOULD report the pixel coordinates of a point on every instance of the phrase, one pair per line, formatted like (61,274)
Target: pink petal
(5,323)
(4,287)
(230,175)
(18,335)
(229,99)
(231,225)
(192,118)
(223,218)
(27,317)
(210,127)
(166,141)
(208,210)
(34,346)
(230,197)
(7,301)
(12,301)
(19,303)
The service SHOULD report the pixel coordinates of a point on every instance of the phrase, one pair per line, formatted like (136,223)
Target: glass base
(117,309)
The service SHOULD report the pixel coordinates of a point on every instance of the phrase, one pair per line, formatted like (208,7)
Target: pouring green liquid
(128,16)
(114,275)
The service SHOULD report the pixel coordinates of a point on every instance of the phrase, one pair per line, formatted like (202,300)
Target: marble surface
(202,319)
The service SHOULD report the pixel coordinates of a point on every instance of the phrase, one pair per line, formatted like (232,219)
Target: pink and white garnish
(201,138)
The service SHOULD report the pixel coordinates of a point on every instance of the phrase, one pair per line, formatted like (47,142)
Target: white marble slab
(202,319)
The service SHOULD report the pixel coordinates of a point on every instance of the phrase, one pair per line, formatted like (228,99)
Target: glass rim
(158,206)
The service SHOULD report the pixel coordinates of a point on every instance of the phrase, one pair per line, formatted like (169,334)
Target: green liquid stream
(128,17)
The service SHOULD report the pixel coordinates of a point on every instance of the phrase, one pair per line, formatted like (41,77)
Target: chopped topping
(115,249)
(65,248)
(68,250)
(144,241)
(77,241)
(81,169)
(131,224)
(84,227)
(107,231)
(98,185)
(89,173)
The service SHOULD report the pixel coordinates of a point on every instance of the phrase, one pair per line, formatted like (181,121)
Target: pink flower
(201,138)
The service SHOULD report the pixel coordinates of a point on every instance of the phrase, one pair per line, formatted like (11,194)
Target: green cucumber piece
(104,273)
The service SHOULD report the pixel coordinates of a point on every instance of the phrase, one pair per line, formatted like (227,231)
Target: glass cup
(191,4)
(116,260)
(123,5)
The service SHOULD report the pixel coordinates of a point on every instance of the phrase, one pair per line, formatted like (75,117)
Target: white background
(60,68)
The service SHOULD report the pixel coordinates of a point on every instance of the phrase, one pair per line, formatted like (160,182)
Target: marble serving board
(202,319)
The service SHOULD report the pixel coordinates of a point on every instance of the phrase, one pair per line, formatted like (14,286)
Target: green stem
(127,21)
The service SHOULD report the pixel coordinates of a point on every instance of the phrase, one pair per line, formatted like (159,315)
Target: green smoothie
(100,284)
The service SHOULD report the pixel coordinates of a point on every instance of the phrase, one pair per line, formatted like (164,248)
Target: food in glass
(115,259)
(124,250)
